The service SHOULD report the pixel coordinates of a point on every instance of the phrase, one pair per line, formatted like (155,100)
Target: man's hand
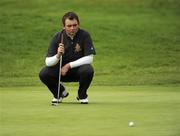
(60,50)
(65,69)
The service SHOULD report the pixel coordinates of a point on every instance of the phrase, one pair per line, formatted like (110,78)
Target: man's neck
(71,36)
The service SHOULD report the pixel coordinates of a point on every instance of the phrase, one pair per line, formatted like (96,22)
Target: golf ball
(131,124)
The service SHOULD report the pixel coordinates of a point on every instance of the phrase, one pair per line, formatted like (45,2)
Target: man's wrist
(69,66)
(58,56)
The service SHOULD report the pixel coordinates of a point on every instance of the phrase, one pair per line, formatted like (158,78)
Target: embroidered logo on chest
(77,48)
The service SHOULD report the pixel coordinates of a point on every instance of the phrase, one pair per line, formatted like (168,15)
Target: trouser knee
(43,75)
(86,70)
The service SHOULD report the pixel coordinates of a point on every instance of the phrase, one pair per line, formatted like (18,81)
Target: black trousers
(83,74)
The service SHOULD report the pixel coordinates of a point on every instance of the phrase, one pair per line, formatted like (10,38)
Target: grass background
(137,41)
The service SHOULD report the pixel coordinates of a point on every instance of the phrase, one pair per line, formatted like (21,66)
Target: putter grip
(62,38)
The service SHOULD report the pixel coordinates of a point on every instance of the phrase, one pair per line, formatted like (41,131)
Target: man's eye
(72,25)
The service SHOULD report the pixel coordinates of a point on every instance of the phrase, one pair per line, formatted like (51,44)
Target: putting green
(26,111)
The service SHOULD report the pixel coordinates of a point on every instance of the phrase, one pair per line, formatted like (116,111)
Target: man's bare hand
(60,50)
(65,69)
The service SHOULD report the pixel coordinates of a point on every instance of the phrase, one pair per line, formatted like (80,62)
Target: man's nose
(72,27)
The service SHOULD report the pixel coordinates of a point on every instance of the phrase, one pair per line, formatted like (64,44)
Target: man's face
(71,27)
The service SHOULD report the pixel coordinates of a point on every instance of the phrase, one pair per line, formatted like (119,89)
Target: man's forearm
(51,61)
(82,61)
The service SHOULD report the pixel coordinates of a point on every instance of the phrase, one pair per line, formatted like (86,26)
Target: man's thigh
(71,76)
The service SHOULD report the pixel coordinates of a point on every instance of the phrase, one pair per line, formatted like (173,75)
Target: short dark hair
(70,16)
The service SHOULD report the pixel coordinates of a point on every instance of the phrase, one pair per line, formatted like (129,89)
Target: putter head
(55,104)
(55,101)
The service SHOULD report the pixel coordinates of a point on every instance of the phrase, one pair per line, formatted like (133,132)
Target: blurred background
(137,41)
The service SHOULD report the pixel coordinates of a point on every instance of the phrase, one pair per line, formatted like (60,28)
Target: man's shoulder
(57,34)
(84,32)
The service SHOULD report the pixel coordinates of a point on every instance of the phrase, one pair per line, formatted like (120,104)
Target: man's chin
(72,34)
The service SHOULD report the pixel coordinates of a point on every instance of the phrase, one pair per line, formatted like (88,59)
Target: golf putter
(59,82)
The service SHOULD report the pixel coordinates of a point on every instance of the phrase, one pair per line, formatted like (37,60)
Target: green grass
(137,41)
(26,111)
